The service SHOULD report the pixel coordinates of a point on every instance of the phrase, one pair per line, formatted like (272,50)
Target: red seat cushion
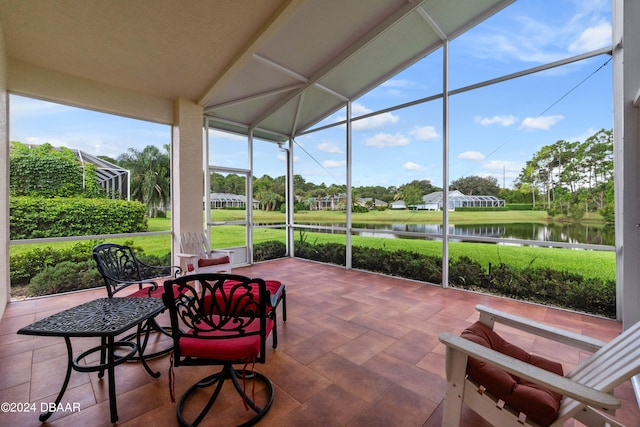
(538,403)
(243,348)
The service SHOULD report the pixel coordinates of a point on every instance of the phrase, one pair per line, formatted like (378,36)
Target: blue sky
(493,130)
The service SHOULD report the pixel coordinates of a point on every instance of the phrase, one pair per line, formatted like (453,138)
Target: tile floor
(358,349)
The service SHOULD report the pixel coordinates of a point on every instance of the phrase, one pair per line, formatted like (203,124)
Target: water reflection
(554,232)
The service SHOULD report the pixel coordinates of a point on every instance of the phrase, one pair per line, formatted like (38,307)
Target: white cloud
(398,83)
(424,133)
(283,157)
(503,165)
(374,122)
(334,163)
(592,38)
(413,166)
(471,155)
(387,140)
(533,37)
(542,122)
(501,120)
(26,107)
(329,147)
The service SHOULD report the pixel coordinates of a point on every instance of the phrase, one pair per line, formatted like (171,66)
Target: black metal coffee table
(105,318)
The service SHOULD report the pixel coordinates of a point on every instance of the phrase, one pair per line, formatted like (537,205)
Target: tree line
(565,178)
(572,178)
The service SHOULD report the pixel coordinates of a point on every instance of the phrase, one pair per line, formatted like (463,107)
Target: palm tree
(150,176)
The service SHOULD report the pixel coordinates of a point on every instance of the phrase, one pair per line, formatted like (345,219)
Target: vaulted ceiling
(276,66)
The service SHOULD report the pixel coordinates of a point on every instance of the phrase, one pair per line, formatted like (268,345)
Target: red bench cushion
(538,403)
(208,262)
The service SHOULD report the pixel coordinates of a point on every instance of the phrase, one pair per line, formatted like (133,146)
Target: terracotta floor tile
(364,383)
(357,350)
(344,407)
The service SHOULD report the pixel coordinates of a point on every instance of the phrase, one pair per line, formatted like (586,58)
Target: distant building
(371,202)
(398,204)
(335,203)
(227,200)
(435,201)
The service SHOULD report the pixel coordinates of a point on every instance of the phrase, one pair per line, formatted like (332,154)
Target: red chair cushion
(538,403)
(243,348)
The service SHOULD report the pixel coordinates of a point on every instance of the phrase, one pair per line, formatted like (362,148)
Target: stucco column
(626,79)
(5,287)
(187,178)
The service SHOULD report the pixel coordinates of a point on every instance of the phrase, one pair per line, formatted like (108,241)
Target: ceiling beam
(281,15)
(370,35)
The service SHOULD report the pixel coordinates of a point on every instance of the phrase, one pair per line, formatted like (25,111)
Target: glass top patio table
(104,318)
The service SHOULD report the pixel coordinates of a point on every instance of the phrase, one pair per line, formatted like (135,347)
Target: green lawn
(392,216)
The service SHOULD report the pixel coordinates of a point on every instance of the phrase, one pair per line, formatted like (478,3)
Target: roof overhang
(275,67)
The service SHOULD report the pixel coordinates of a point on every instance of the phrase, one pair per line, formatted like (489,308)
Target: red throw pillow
(538,403)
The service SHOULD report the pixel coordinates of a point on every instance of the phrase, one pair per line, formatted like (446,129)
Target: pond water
(554,232)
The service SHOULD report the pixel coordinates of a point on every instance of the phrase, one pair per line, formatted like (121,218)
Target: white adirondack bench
(586,390)
(194,249)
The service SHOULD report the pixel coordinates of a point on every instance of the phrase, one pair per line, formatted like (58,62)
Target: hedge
(47,262)
(539,285)
(37,217)
(50,271)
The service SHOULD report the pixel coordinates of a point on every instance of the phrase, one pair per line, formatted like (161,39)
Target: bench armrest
(490,315)
(549,380)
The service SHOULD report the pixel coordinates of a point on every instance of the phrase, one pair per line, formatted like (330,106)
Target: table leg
(111,366)
(103,349)
(142,346)
(45,416)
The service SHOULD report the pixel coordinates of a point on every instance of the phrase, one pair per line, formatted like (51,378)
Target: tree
(150,176)
(476,186)
(268,200)
(574,177)
(411,194)
(424,185)
(235,184)
(596,156)
(520,194)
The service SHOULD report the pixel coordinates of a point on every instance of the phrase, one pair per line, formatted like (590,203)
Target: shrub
(540,285)
(25,266)
(464,272)
(269,250)
(556,288)
(410,265)
(65,276)
(49,271)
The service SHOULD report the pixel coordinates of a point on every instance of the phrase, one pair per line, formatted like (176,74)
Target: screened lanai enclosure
(292,79)
(435,201)
(299,108)
(227,200)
